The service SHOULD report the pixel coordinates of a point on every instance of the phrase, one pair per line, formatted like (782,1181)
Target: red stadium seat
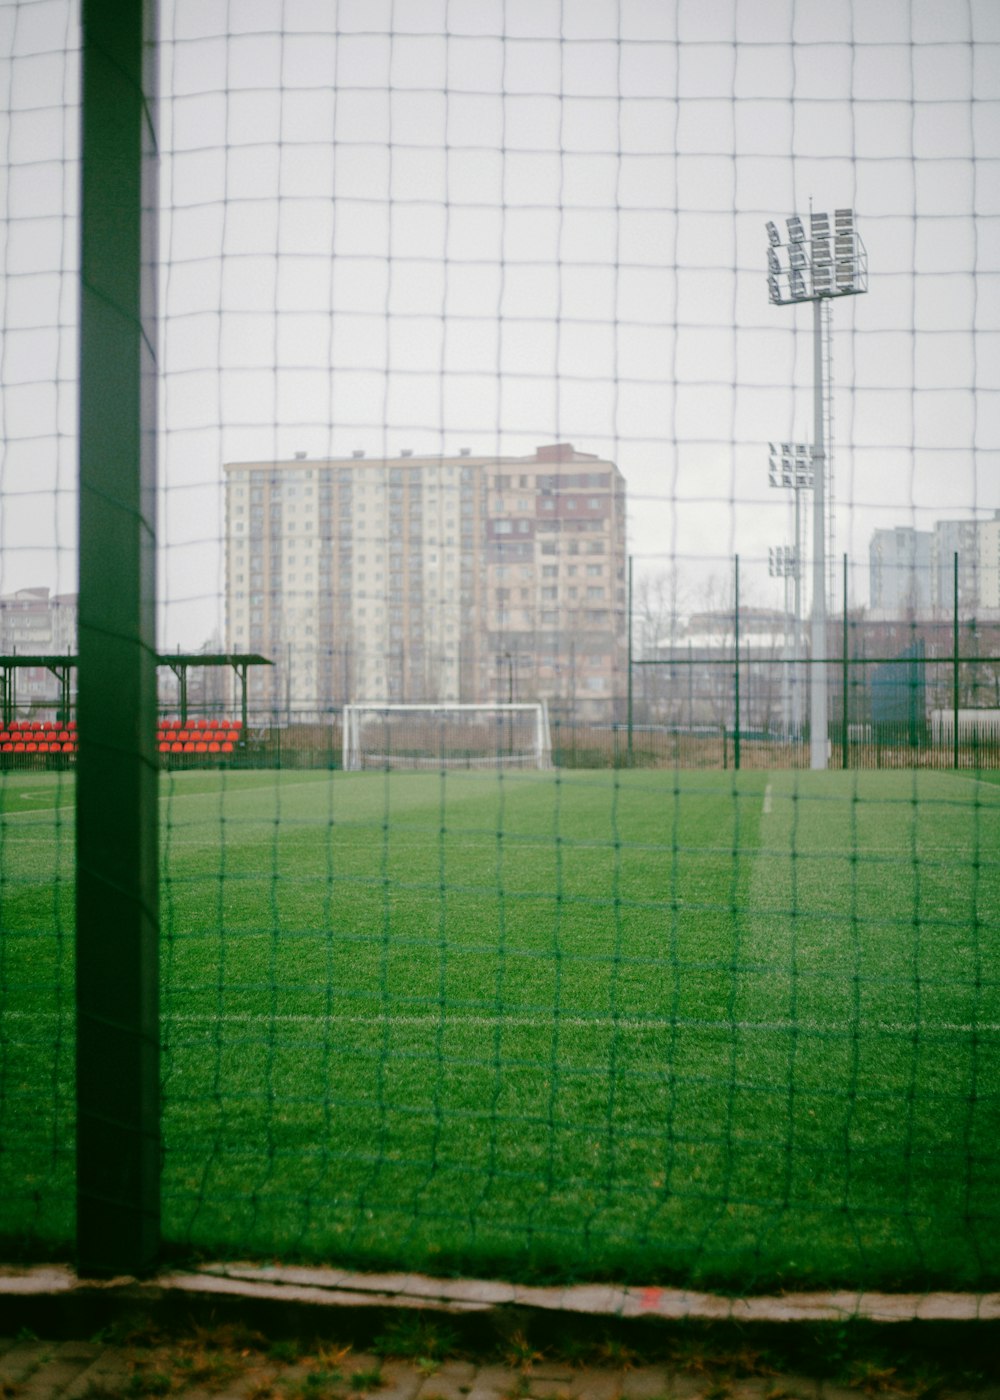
(227,747)
(201,747)
(233,735)
(55,746)
(213,746)
(69,748)
(189,746)
(31,746)
(43,747)
(177,747)
(19,748)
(8,747)
(164,746)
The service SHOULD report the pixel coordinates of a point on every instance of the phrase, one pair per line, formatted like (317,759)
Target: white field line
(216,795)
(768,791)
(543,1021)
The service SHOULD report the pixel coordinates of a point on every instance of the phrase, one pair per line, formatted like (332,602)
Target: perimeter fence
(451,355)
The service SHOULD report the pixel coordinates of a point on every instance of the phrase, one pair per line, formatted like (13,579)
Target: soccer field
(730,1029)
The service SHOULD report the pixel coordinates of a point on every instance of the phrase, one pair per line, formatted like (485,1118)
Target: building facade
(430,579)
(36,622)
(900,571)
(912,572)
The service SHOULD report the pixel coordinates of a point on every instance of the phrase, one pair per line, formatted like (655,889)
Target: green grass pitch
(738,1030)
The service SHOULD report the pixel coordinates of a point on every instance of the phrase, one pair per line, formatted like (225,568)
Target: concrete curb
(58,1288)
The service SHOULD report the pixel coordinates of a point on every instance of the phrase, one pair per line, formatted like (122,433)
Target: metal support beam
(118,1119)
(180,670)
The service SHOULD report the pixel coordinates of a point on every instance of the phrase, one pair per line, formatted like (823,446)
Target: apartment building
(900,571)
(37,622)
(912,572)
(425,578)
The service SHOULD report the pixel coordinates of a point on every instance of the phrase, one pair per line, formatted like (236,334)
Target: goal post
(381,735)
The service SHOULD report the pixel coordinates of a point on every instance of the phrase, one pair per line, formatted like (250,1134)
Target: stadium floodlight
(830,262)
(808,269)
(781,561)
(790,465)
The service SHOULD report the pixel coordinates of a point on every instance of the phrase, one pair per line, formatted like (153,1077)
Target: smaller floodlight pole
(781,563)
(790,467)
(818,717)
(817,267)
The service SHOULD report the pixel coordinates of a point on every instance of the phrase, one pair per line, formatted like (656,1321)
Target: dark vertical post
(646,721)
(243,702)
(845,689)
(954,662)
(118,1118)
(735,676)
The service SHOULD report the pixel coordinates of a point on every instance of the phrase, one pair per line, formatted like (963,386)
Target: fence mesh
(474,392)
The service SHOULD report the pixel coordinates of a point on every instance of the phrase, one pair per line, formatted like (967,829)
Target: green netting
(676,959)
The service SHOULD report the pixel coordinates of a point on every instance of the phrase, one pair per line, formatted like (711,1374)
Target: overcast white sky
(496,223)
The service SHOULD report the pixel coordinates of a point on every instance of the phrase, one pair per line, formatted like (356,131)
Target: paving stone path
(201,1367)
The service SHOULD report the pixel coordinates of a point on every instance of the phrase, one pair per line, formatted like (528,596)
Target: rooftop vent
(300,456)
(407,452)
(465,451)
(358,452)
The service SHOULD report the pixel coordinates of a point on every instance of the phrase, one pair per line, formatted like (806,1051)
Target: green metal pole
(735,678)
(846,684)
(954,664)
(630,654)
(117,1047)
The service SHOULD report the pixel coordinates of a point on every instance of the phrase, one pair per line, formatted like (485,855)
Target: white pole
(817,670)
(797,644)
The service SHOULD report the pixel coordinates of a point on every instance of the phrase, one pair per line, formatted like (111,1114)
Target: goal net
(446,736)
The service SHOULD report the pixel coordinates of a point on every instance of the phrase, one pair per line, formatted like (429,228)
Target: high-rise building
(953,537)
(900,571)
(419,579)
(989,562)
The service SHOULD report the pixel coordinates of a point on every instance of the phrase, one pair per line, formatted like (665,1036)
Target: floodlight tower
(817,268)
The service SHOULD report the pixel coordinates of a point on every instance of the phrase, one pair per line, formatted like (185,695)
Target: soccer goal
(446,736)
